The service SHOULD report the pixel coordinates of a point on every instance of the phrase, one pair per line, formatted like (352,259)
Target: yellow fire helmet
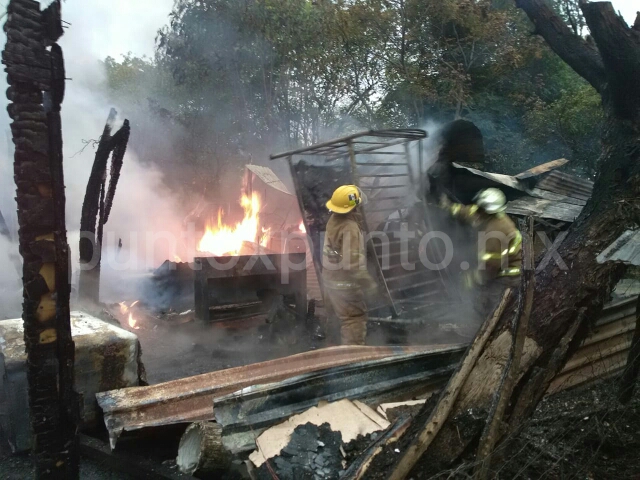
(345,199)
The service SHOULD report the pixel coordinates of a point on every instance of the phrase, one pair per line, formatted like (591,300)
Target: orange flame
(177,259)
(302,228)
(223,239)
(124,309)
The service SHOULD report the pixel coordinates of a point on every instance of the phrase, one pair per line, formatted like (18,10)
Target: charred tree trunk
(567,299)
(34,65)
(97,205)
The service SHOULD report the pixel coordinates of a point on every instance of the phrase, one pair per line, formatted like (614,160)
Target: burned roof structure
(553,198)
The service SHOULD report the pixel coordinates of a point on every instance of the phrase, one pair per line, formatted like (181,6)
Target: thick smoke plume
(143,205)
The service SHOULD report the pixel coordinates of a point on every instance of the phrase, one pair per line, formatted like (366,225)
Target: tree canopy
(237,78)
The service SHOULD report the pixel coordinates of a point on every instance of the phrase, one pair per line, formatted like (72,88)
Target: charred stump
(35,74)
(98,201)
(201,451)
(567,298)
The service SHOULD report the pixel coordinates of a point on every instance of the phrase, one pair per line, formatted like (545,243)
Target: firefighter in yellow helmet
(499,247)
(344,273)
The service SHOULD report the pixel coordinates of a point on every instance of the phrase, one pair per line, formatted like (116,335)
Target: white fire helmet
(491,200)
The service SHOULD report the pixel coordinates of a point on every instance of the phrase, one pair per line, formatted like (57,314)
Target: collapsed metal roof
(547,193)
(566,184)
(626,249)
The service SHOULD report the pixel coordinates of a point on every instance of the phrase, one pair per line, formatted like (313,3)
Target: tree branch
(573,49)
(619,47)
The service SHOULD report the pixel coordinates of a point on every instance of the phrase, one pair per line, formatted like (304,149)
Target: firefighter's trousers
(351,309)
(488,296)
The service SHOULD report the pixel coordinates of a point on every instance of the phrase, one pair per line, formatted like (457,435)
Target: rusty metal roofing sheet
(566,184)
(626,249)
(191,399)
(543,168)
(245,414)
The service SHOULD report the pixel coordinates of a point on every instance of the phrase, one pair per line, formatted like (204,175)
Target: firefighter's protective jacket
(499,242)
(344,254)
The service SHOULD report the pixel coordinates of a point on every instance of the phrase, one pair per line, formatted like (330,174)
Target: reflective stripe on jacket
(500,242)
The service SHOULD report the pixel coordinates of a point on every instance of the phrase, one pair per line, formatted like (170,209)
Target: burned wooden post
(35,74)
(97,205)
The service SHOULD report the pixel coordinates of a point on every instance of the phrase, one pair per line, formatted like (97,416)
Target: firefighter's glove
(445,203)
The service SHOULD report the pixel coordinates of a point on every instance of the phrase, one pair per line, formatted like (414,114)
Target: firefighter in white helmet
(345,277)
(499,247)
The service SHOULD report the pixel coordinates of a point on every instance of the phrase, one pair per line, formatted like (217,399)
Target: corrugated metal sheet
(556,196)
(566,184)
(538,207)
(267,176)
(627,287)
(625,249)
(604,352)
(191,399)
(549,194)
(245,414)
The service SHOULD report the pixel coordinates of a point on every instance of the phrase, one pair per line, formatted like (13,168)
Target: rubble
(191,399)
(246,413)
(313,453)
(350,419)
(106,357)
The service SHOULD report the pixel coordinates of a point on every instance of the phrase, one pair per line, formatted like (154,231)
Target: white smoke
(143,206)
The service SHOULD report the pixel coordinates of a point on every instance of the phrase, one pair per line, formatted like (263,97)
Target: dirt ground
(20,467)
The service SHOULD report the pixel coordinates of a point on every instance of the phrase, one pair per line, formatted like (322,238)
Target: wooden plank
(449,395)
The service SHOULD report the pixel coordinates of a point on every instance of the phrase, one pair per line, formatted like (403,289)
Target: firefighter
(345,277)
(499,242)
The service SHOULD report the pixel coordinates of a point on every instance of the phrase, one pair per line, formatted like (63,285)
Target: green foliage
(575,119)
